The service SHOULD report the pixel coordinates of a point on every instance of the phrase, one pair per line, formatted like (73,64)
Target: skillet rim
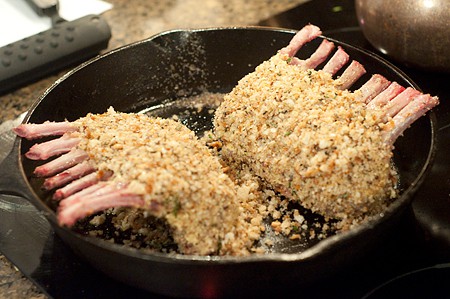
(309,253)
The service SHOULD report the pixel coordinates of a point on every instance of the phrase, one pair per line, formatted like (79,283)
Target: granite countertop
(130,22)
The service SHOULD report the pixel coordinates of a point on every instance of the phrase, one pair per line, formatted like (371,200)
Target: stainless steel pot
(413,32)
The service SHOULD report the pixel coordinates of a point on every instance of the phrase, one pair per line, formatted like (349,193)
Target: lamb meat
(309,137)
(133,160)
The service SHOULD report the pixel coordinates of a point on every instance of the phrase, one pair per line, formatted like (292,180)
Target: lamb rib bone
(385,96)
(61,163)
(80,184)
(35,131)
(350,75)
(319,56)
(45,150)
(75,172)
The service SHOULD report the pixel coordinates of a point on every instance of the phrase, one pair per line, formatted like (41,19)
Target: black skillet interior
(176,64)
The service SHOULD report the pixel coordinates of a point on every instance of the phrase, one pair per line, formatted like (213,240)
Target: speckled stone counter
(132,21)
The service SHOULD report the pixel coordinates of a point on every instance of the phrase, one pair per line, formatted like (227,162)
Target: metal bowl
(414,32)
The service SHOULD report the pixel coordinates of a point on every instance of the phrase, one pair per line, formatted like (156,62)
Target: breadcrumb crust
(311,141)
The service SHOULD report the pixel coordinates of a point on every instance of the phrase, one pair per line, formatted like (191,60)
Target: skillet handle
(11,177)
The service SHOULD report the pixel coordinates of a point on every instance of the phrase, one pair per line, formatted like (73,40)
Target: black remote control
(49,51)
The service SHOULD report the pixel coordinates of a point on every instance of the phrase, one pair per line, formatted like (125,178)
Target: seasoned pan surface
(151,75)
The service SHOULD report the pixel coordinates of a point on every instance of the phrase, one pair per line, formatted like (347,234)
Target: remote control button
(24,46)
(69,38)
(23,56)
(6,62)
(54,44)
(8,52)
(40,39)
(38,50)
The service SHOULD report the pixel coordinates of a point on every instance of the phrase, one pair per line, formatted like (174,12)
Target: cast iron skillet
(151,74)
